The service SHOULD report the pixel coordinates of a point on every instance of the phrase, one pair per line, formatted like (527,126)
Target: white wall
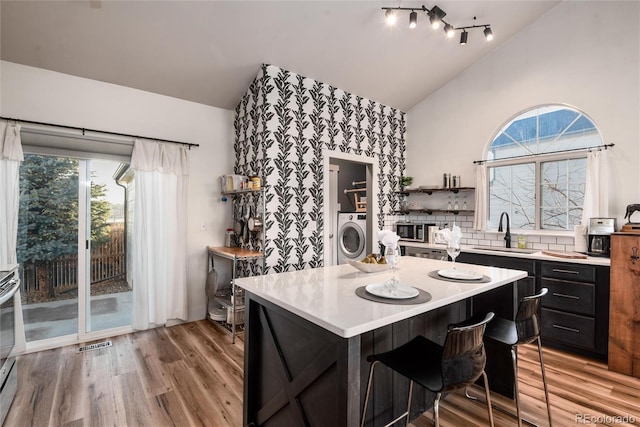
(35,94)
(584,54)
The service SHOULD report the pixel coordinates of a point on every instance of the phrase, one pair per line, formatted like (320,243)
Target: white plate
(392,290)
(454,273)
(368,268)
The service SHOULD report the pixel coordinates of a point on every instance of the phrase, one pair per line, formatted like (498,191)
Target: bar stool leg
(366,398)
(488,394)
(409,402)
(436,405)
(544,381)
(514,359)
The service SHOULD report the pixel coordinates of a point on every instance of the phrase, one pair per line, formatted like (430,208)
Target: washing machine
(352,236)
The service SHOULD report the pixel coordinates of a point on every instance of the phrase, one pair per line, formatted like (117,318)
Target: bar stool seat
(460,362)
(524,330)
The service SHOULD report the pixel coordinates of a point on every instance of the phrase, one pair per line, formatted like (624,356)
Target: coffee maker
(599,241)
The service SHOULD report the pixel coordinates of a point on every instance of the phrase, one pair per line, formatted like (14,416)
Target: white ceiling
(210,51)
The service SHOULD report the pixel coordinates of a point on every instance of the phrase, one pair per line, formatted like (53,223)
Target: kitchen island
(308,335)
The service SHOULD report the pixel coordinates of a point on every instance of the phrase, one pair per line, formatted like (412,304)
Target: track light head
(463,37)
(435,17)
(390,16)
(413,19)
(449,30)
(488,34)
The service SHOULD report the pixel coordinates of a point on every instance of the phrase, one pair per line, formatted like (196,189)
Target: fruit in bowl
(372,263)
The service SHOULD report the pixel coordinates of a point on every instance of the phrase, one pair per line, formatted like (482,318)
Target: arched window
(537,171)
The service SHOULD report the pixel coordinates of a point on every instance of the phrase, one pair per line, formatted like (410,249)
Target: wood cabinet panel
(624,311)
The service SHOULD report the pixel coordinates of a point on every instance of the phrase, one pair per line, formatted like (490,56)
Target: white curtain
(159,228)
(480,215)
(596,192)
(10,158)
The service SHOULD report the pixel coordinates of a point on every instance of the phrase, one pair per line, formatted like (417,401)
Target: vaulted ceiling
(209,51)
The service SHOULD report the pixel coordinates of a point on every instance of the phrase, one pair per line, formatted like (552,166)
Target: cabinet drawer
(573,272)
(570,329)
(569,296)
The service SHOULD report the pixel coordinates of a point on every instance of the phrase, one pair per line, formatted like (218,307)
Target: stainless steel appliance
(413,231)
(9,284)
(430,253)
(599,241)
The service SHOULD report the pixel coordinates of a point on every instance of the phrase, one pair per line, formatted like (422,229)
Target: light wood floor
(191,375)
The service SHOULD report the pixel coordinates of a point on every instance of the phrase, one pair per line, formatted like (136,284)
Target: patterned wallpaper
(282,124)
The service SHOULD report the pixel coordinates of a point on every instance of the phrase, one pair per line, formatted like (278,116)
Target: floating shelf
(435,190)
(231,193)
(432,211)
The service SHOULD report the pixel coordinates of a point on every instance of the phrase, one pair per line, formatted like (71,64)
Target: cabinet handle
(556,294)
(634,254)
(564,328)
(559,270)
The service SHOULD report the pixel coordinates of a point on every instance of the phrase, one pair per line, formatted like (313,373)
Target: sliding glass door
(71,248)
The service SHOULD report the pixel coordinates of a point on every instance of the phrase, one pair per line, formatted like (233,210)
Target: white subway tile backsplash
(473,237)
(564,240)
(557,247)
(548,239)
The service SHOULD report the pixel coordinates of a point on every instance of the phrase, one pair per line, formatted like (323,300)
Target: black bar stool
(438,369)
(524,330)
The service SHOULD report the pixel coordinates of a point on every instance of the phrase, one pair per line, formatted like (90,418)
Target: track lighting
(413,19)
(463,37)
(488,34)
(436,19)
(449,30)
(390,16)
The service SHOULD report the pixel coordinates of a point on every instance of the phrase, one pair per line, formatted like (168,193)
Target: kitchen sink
(500,249)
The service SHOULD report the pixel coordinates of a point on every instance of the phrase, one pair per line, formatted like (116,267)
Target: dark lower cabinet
(526,286)
(575,312)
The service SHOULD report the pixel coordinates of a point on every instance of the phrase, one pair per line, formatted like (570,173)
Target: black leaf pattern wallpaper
(283,124)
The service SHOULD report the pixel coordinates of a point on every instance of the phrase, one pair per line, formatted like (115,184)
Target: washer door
(352,239)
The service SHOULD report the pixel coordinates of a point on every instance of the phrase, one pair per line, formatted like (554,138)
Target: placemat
(422,297)
(435,275)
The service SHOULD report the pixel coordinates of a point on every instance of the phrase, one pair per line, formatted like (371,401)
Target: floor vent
(95,346)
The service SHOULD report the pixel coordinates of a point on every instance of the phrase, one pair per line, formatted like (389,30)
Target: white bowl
(369,268)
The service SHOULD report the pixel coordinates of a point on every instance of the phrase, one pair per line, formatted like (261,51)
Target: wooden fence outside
(107,263)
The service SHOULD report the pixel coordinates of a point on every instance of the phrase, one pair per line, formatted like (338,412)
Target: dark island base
(299,374)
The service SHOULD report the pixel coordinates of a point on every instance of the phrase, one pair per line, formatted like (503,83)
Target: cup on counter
(522,242)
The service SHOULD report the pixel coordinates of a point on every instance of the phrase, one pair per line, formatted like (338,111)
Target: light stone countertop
(326,296)
(601,261)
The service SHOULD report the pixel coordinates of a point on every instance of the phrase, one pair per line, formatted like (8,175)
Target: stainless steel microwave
(413,231)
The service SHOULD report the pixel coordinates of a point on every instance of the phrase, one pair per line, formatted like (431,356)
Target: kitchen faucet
(507,235)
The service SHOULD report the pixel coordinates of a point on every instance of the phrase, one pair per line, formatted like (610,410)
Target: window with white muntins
(538,168)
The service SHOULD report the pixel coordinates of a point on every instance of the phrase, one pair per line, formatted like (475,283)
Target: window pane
(512,190)
(544,130)
(562,191)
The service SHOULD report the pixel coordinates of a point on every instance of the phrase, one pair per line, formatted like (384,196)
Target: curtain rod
(596,147)
(188,144)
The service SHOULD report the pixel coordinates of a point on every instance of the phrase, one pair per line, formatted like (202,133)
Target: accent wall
(284,126)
